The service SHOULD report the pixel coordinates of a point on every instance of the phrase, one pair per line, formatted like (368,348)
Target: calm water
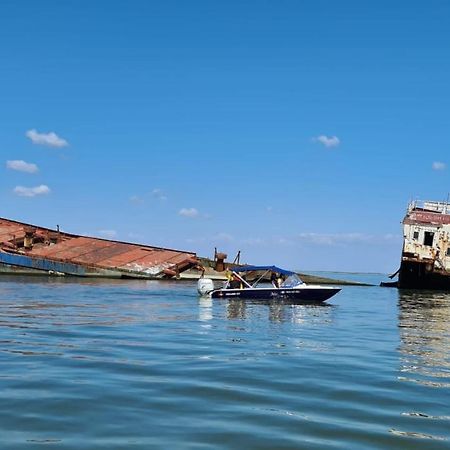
(141,365)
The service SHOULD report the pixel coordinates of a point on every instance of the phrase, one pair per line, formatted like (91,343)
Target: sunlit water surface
(140,365)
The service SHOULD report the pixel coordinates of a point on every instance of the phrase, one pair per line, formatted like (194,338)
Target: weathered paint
(428,217)
(425,258)
(40,248)
(41,264)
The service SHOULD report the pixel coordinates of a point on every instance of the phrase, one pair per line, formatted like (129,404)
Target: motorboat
(268,282)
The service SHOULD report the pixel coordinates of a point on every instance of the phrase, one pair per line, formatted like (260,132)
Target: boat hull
(297,295)
(420,275)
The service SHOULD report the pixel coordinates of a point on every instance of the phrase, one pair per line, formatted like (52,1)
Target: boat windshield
(291,281)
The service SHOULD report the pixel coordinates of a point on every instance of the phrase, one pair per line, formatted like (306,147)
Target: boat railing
(432,206)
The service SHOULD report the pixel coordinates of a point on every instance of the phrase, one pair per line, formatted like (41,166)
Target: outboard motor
(205,286)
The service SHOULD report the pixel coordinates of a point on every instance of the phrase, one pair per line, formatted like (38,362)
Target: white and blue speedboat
(283,284)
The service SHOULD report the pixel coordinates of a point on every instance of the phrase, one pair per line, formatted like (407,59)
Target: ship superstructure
(425,261)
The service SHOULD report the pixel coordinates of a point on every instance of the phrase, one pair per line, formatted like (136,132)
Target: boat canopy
(255,268)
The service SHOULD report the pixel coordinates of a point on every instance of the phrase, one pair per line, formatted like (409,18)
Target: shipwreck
(29,249)
(425,260)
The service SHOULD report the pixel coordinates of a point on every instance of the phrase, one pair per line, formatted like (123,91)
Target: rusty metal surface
(426,235)
(427,217)
(129,259)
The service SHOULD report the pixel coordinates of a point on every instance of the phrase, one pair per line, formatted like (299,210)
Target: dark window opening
(448,251)
(416,235)
(428,239)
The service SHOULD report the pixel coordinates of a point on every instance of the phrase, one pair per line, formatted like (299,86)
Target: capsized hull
(308,294)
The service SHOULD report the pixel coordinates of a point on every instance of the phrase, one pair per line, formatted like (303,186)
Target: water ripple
(141,365)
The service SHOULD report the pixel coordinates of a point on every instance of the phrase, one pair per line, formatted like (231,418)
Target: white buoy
(205,286)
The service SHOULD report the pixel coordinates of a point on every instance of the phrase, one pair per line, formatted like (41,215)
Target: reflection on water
(277,311)
(424,323)
(236,309)
(412,434)
(205,309)
(150,365)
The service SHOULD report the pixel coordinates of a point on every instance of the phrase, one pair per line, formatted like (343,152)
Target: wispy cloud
(22,166)
(189,212)
(109,234)
(135,199)
(301,239)
(221,238)
(344,238)
(437,165)
(159,194)
(133,235)
(31,191)
(327,141)
(49,139)
(156,193)
(254,241)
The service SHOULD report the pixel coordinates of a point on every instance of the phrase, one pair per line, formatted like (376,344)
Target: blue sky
(295,131)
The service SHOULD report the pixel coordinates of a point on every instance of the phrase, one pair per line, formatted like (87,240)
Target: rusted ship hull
(37,250)
(425,261)
(422,275)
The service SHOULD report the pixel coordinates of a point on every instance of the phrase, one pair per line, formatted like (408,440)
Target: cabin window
(416,235)
(428,238)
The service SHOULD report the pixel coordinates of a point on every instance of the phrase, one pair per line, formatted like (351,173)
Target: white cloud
(345,238)
(333,239)
(135,235)
(189,212)
(254,241)
(159,194)
(22,166)
(109,234)
(223,237)
(329,142)
(195,240)
(31,192)
(136,200)
(437,165)
(49,139)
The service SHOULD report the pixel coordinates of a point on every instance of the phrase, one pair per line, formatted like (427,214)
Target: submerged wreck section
(425,262)
(30,249)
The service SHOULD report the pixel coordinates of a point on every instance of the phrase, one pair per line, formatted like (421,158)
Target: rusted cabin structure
(425,261)
(27,248)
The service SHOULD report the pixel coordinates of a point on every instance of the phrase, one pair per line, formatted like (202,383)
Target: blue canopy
(271,268)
